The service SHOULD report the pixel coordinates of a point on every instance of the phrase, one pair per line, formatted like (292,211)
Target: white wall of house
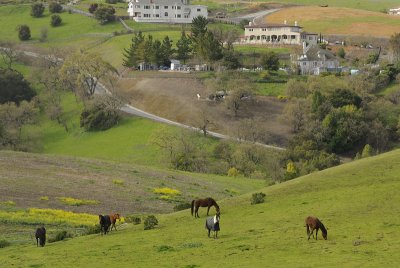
(165,11)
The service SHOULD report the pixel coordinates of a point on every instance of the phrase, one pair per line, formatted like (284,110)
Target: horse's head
(325,235)
(117,217)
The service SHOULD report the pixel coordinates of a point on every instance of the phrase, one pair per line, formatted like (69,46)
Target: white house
(394,11)
(175,65)
(315,60)
(165,11)
(278,34)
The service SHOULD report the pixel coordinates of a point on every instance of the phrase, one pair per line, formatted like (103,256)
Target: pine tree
(183,47)
(132,55)
(167,50)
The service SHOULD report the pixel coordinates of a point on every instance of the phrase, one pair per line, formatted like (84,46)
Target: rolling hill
(358,202)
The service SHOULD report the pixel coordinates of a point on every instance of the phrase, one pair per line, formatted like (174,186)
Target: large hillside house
(284,34)
(315,60)
(165,11)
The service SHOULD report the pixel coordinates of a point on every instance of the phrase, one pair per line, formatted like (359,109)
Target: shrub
(8,203)
(105,14)
(55,7)
(4,243)
(165,248)
(98,117)
(257,198)
(94,229)
(37,10)
(182,206)
(133,219)
(24,32)
(44,198)
(77,202)
(43,34)
(367,151)
(341,53)
(93,7)
(150,222)
(233,172)
(61,235)
(111,1)
(14,87)
(55,20)
(118,182)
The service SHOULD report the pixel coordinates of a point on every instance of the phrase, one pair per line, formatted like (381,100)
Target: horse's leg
(316,234)
(209,231)
(208,210)
(216,234)
(311,233)
(37,242)
(196,212)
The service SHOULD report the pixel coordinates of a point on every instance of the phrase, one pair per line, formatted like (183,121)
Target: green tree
(183,47)
(270,61)
(55,20)
(24,32)
(105,14)
(37,10)
(14,87)
(367,151)
(133,55)
(341,53)
(342,97)
(199,26)
(166,51)
(231,59)
(55,7)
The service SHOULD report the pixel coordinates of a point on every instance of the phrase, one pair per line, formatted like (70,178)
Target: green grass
(391,88)
(270,89)
(74,27)
(249,49)
(357,202)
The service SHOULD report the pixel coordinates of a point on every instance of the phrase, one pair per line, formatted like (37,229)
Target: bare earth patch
(175,98)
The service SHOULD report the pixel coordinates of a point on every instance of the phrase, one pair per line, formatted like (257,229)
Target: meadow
(338,20)
(357,202)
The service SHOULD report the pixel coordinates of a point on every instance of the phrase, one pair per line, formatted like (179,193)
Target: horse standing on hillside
(105,223)
(113,219)
(208,202)
(40,235)
(212,224)
(313,223)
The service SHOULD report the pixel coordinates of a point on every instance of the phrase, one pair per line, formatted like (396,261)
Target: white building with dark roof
(315,60)
(165,11)
(273,33)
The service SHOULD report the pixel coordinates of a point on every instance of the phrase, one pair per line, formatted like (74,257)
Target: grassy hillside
(335,20)
(358,202)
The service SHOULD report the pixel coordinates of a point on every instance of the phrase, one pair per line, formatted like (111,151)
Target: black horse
(40,236)
(105,223)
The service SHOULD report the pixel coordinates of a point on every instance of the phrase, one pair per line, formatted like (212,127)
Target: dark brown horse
(313,223)
(113,219)
(208,202)
(40,236)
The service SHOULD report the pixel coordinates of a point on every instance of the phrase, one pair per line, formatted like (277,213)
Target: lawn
(75,30)
(357,202)
(333,20)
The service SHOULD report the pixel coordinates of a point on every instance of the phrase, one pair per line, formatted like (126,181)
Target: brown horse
(113,219)
(208,202)
(313,223)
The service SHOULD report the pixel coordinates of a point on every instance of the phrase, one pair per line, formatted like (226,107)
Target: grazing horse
(40,236)
(212,224)
(313,223)
(208,202)
(105,223)
(113,219)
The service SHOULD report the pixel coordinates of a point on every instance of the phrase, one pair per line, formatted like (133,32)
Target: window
(146,15)
(157,7)
(137,6)
(146,7)
(165,7)
(156,15)
(198,10)
(250,30)
(263,29)
(178,7)
(186,16)
(166,14)
(179,15)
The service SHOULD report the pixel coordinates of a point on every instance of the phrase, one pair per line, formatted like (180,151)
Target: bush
(257,198)
(233,172)
(341,53)
(55,20)
(43,34)
(133,219)
(37,10)
(24,32)
(182,206)
(14,87)
(150,222)
(111,1)
(4,243)
(93,7)
(105,14)
(98,117)
(55,7)
(94,229)
(61,235)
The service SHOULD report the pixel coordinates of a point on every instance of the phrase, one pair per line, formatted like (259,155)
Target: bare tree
(239,90)
(8,53)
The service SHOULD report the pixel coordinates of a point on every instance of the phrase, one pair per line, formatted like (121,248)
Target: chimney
(304,47)
(285,22)
(250,23)
(295,23)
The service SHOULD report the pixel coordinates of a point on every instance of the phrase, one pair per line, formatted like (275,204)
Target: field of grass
(357,202)
(75,30)
(333,20)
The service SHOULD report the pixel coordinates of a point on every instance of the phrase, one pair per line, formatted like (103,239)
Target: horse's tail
(192,208)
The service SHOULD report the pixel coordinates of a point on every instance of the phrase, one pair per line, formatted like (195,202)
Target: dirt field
(336,20)
(175,98)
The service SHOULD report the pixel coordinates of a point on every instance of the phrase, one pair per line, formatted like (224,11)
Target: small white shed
(175,65)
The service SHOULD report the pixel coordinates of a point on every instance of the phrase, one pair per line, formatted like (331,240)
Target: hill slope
(358,202)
